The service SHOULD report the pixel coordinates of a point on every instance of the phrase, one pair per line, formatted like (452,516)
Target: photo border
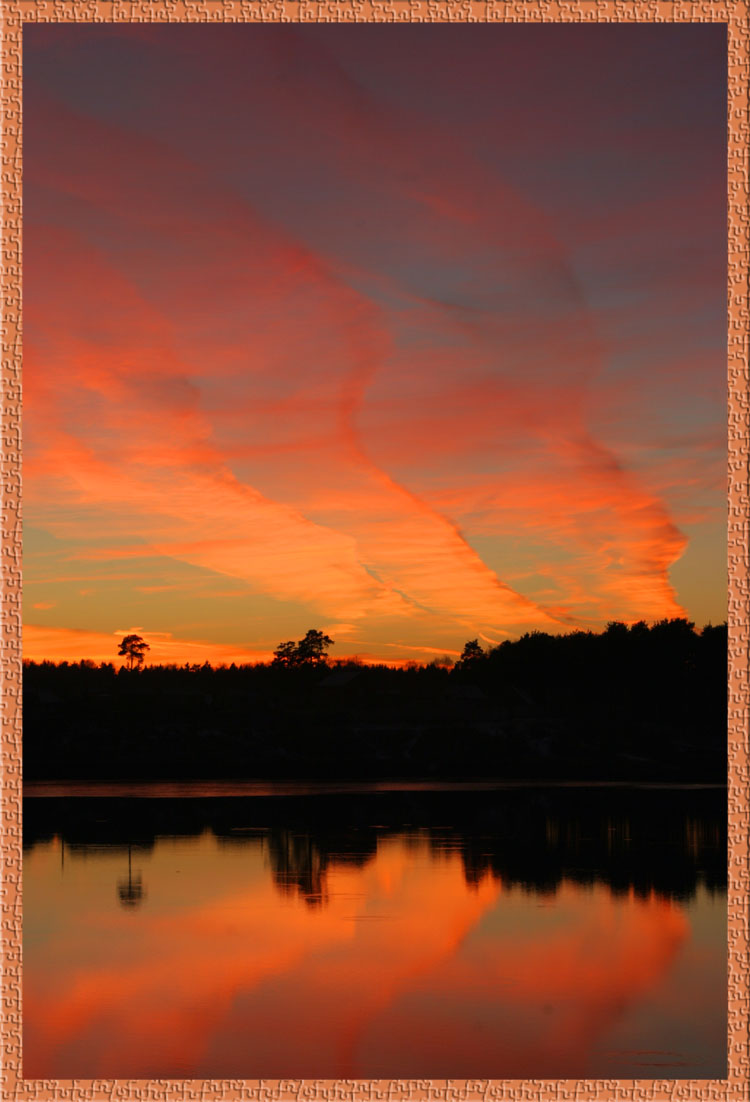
(13,15)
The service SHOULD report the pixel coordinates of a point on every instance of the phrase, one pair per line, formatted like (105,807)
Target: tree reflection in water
(665,841)
(300,860)
(298,866)
(130,891)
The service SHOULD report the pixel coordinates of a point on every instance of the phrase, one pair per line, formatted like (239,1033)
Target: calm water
(355,933)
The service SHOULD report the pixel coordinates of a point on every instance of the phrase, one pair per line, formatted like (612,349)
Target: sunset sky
(414,334)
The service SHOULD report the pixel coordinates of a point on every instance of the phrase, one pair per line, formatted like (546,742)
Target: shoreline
(40,789)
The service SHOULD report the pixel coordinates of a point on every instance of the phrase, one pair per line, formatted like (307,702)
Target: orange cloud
(60,644)
(151,452)
(398,437)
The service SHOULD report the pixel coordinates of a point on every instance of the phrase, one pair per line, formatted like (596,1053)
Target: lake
(374,931)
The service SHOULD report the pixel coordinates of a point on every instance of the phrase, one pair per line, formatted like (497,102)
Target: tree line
(645,702)
(312,649)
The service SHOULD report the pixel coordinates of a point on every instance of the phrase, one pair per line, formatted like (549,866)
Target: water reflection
(130,890)
(503,939)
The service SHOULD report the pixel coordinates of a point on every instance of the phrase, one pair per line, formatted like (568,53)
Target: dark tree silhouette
(471,653)
(314,646)
(310,651)
(286,654)
(134,649)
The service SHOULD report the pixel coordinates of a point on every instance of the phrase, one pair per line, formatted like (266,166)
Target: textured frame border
(735,13)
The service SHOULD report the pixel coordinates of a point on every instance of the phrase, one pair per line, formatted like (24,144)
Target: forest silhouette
(639,702)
